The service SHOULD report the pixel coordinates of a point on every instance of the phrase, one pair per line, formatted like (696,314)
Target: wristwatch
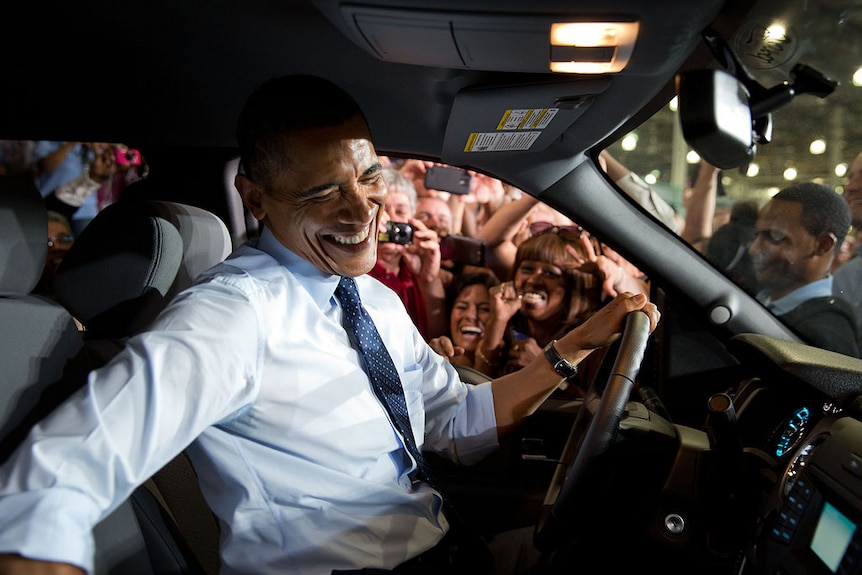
(560,364)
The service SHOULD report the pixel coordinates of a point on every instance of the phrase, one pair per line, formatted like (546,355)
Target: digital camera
(397,233)
(128,157)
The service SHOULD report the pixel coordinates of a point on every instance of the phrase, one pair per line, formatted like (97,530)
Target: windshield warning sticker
(500,141)
(524,129)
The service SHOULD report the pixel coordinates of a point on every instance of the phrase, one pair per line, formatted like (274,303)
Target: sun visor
(517,118)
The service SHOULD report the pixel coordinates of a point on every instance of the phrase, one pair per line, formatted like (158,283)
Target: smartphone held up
(448,179)
(463,250)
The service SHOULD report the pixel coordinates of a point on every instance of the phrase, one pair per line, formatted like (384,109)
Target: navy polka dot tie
(379,367)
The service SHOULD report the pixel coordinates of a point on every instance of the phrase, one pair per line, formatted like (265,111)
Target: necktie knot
(347,293)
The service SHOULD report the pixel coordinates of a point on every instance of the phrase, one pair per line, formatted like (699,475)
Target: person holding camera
(408,258)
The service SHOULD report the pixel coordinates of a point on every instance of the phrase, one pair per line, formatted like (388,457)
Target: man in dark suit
(798,233)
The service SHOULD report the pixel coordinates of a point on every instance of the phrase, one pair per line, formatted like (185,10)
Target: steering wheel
(593,433)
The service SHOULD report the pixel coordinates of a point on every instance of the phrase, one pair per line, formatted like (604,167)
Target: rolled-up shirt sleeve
(460,423)
(134,415)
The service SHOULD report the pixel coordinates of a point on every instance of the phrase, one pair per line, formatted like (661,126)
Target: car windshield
(814,137)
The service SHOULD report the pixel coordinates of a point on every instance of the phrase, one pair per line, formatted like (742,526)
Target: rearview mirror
(715,117)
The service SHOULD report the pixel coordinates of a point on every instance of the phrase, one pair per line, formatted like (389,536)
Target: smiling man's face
(326,206)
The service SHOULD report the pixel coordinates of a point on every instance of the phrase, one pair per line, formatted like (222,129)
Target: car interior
(721,443)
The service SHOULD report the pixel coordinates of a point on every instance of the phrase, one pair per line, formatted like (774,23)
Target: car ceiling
(170,73)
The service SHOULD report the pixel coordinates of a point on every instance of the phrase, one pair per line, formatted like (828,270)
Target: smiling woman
(469,311)
(542,302)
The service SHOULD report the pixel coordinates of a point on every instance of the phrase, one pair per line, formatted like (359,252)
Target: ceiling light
(841,170)
(630,142)
(592,47)
(817,147)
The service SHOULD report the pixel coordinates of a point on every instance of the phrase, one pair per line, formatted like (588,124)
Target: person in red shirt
(412,270)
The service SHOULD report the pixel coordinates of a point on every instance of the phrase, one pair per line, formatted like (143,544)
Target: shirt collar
(319,285)
(782,305)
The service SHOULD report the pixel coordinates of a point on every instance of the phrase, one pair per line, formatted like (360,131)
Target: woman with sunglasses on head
(509,226)
(559,281)
(599,259)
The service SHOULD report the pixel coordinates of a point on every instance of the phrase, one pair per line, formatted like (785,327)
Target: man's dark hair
(823,210)
(283,105)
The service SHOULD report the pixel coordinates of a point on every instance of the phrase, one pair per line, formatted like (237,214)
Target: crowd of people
(799,247)
(540,273)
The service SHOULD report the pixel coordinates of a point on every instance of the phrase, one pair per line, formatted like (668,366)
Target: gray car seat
(145,239)
(40,341)
(39,336)
(121,271)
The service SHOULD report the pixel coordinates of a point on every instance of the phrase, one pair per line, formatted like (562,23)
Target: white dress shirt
(252,370)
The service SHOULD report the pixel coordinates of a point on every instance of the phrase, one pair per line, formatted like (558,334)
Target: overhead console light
(592,47)
(499,41)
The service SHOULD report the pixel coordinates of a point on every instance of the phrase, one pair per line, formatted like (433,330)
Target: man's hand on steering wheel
(605,326)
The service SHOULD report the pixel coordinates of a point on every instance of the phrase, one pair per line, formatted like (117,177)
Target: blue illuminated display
(792,431)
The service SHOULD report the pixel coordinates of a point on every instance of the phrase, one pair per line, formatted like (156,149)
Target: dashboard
(810,521)
(813,524)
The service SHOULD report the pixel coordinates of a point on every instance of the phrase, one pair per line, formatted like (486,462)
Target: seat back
(39,344)
(38,337)
(129,262)
(119,274)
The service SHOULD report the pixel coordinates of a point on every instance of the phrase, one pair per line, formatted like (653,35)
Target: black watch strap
(560,364)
